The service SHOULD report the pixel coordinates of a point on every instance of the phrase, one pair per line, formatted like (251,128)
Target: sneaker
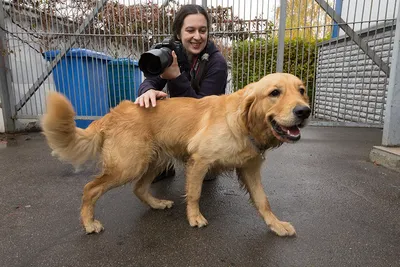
(167,173)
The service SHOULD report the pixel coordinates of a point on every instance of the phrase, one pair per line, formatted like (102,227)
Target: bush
(254,59)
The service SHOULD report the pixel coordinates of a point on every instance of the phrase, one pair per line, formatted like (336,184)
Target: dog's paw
(161,204)
(283,228)
(197,220)
(93,227)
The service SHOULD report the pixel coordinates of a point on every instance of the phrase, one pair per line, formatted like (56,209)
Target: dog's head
(277,104)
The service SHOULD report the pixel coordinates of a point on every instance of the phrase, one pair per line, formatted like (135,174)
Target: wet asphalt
(345,209)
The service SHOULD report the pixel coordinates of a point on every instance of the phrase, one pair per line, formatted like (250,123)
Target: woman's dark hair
(183,12)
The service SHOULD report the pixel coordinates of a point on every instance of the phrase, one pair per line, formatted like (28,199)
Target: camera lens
(153,62)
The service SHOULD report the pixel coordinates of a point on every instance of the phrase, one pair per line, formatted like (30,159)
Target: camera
(153,62)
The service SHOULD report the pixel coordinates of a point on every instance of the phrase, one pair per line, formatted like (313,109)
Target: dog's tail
(69,143)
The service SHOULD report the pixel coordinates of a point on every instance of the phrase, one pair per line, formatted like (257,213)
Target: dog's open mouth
(286,134)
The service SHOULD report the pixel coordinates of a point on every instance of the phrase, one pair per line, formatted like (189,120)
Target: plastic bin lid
(77,52)
(123,61)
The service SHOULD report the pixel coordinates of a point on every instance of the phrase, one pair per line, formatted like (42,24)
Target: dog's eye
(302,91)
(275,93)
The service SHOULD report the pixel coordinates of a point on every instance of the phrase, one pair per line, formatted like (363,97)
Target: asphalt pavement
(345,209)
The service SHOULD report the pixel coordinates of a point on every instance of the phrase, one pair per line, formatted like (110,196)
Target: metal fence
(89,49)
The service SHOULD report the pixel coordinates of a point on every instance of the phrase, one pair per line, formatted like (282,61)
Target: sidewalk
(345,209)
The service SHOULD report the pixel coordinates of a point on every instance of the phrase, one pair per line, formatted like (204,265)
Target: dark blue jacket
(213,81)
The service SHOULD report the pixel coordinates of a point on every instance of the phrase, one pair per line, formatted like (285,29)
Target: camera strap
(197,71)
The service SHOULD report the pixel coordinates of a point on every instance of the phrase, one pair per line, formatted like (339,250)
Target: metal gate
(88,50)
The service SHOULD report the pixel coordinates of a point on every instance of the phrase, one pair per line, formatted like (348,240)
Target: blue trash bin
(81,75)
(124,79)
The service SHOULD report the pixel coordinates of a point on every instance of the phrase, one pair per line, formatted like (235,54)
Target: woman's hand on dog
(150,96)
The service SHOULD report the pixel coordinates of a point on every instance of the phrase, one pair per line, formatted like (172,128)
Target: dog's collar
(260,149)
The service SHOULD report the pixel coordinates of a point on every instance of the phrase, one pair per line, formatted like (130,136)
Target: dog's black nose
(302,112)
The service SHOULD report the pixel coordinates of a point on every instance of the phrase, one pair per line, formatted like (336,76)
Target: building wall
(349,86)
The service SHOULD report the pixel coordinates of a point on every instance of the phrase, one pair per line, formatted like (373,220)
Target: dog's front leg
(251,177)
(195,172)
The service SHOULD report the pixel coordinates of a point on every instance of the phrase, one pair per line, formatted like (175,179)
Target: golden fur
(223,132)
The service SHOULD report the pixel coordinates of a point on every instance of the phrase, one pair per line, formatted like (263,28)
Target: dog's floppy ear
(246,106)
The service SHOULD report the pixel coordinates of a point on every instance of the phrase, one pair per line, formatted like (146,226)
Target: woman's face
(194,33)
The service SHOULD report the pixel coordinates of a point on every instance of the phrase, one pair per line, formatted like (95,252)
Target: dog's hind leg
(142,187)
(251,177)
(124,160)
(91,193)
(111,178)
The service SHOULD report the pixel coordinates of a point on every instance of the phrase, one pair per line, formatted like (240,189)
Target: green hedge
(254,59)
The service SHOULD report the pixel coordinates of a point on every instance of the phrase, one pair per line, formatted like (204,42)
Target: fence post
(391,125)
(281,36)
(204,3)
(5,78)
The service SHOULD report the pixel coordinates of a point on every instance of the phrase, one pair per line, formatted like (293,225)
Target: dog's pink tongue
(294,130)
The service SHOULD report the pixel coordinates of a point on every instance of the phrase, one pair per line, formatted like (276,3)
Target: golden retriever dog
(216,132)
